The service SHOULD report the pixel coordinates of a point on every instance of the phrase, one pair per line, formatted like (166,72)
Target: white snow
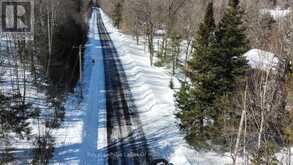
(160,32)
(82,138)
(260,59)
(22,148)
(276,13)
(155,101)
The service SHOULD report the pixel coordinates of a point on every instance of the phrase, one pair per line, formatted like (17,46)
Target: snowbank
(277,13)
(155,102)
(261,59)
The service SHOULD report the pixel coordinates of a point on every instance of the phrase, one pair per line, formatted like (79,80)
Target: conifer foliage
(231,45)
(199,96)
(214,70)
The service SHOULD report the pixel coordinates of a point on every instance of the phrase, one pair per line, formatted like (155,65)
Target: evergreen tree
(175,50)
(206,29)
(229,66)
(217,65)
(230,46)
(194,111)
(183,97)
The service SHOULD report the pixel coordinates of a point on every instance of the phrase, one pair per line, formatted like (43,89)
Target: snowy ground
(82,138)
(276,13)
(21,148)
(155,101)
(261,59)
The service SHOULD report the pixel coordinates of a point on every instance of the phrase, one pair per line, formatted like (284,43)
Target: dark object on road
(161,162)
(93,61)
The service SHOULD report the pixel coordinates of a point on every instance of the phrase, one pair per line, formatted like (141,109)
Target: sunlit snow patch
(276,13)
(261,59)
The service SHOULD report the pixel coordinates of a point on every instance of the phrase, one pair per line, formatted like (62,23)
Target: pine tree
(216,66)
(195,110)
(206,29)
(229,65)
(230,46)
(183,97)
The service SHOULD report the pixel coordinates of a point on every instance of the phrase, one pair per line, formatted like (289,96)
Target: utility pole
(80,63)
(80,70)
(80,59)
(80,66)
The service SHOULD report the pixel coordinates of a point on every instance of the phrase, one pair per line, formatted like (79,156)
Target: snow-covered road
(133,122)
(126,140)
(83,137)
(106,129)
(93,144)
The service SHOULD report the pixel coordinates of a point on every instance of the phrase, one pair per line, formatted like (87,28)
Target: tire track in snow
(126,140)
(93,145)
